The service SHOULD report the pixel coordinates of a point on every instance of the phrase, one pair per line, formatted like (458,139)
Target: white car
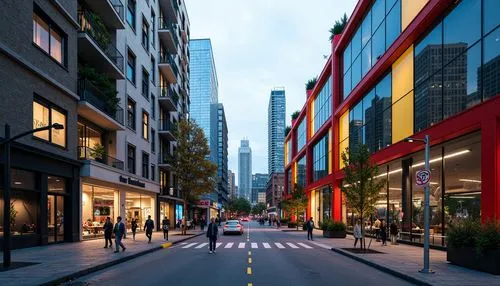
(232,226)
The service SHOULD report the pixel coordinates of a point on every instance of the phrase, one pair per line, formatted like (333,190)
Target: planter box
(468,257)
(292,226)
(334,234)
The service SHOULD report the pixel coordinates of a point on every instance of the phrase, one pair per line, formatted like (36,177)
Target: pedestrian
(119,231)
(376,226)
(383,232)
(108,231)
(394,232)
(165,224)
(357,234)
(310,227)
(149,225)
(134,227)
(269,221)
(278,223)
(212,232)
(202,224)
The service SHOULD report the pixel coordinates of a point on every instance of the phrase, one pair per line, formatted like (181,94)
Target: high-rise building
(244,170)
(276,130)
(275,190)
(232,185)
(222,175)
(259,182)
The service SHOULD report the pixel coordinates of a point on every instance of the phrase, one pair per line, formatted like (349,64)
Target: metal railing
(117,4)
(164,25)
(166,125)
(87,153)
(167,59)
(89,24)
(88,92)
(167,92)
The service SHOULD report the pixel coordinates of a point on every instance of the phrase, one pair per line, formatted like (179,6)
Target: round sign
(423,177)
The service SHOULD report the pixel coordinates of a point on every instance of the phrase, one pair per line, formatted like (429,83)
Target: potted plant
(311,83)
(287,130)
(292,224)
(98,152)
(475,246)
(333,229)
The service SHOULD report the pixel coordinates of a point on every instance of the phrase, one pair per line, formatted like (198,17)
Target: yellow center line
(249,270)
(249,260)
(249,284)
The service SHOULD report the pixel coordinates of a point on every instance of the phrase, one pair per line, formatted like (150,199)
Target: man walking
(165,224)
(212,232)
(310,227)
(108,230)
(119,231)
(148,227)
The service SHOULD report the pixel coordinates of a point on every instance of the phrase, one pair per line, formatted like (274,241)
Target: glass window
(366,59)
(428,102)
(145,83)
(356,72)
(323,105)
(153,141)
(393,24)
(490,15)
(153,106)
(153,171)
(369,119)
(25,210)
(301,171)
(131,158)
(490,71)
(320,159)
(21,179)
(145,165)
(139,207)
(355,130)
(145,125)
(366,29)
(152,70)
(347,58)
(58,135)
(153,23)
(378,44)
(301,135)
(131,67)
(43,115)
(131,13)
(429,54)
(395,194)
(56,184)
(98,203)
(41,118)
(454,30)
(52,44)
(378,13)
(131,114)
(460,82)
(145,34)
(356,43)
(347,84)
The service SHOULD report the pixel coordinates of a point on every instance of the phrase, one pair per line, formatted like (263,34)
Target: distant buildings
(276,130)
(232,184)
(259,182)
(222,171)
(245,170)
(274,190)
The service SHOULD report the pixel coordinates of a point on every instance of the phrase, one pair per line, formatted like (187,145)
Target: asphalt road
(261,256)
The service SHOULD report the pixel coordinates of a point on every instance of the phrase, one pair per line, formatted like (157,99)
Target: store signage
(204,203)
(132,182)
(422,178)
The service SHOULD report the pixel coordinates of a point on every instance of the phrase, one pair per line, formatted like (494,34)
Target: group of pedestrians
(380,227)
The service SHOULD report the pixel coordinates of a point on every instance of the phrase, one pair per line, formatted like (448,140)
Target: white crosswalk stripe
(201,245)
(254,245)
(218,244)
(304,245)
(229,245)
(241,245)
(292,245)
(189,245)
(266,245)
(279,245)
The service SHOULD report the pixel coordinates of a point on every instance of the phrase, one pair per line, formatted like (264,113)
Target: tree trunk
(184,221)
(362,245)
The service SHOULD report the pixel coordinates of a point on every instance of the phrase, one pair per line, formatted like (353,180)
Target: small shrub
(329,225)
(284,221)
(488,238)
(295,115)
(292,224)
(464,233)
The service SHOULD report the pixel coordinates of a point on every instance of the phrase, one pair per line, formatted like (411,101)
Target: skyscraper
(222,176)
(259,182)
(244,169)
(276,130)
(232,185)
(204,91)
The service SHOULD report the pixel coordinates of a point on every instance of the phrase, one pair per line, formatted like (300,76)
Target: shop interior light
(395,189)
(390,172)
(439,158)
(469,181)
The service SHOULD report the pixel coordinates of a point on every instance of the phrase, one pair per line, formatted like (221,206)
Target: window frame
(145,34)
(132,9)
(52,27)
(131,112)
(145,125)
(131,168)
(145,83)
(132,65)
(145,165)
(50,106)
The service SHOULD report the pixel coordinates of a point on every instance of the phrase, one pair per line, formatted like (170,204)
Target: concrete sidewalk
(61,262)
(404,261)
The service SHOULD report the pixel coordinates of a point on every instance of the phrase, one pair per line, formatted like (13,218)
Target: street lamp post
(6,184)
(426,141)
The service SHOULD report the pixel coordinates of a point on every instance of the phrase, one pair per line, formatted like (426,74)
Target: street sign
(422,177)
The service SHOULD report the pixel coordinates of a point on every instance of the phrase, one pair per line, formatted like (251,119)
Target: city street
(261,256)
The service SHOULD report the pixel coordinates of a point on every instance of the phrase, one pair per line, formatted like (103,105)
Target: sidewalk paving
(61,262)
(404,261)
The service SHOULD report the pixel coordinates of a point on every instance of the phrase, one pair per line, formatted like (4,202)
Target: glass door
(55,218)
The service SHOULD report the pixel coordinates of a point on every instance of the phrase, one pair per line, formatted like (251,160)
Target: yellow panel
(344,126)
(402,75)
(294,173)
(286,153)
(313,202)
(342,147)
(402,118)
(330,151)
(311,119)
(402,96)
(410,9)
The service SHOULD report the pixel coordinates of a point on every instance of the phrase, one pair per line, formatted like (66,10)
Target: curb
(387,270)
(96,268)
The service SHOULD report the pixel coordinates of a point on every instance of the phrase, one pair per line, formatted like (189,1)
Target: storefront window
(381,204)
(327,203)
(56,184)
(395,194)
(165,212)
(97,204)
(138,206)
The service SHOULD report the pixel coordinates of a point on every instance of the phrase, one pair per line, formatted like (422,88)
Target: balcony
(168,99)
(112,12)
(95,46)
(170,8)
(166,129)
(167,34)
(87,153)
(184,36)
(165,161)
(92,106)
(168,67)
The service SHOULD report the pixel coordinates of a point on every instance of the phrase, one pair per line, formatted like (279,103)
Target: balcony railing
(90,93)
(87,153)
(164,25)
(91,24)
(167,59)
(170,191)
(117,4)
(166,125)
(168,92)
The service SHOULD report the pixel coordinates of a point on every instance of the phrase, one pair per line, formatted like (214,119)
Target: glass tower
(245,170)
(276,131)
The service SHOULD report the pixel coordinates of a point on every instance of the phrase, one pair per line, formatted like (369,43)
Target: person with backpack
(165,224)
(149,225)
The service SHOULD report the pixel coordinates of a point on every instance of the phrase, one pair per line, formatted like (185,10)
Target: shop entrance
(55,218)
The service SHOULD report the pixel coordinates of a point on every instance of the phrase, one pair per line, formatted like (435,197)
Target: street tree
(360,186)
(240,206)
(258,208)
(195,174)
(297,203)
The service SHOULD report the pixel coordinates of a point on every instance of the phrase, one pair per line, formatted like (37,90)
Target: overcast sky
(258,45)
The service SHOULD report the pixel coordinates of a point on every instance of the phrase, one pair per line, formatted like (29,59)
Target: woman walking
(357,234)
(134,227)
(383,232)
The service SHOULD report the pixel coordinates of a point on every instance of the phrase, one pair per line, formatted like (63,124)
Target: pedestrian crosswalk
(247,245)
